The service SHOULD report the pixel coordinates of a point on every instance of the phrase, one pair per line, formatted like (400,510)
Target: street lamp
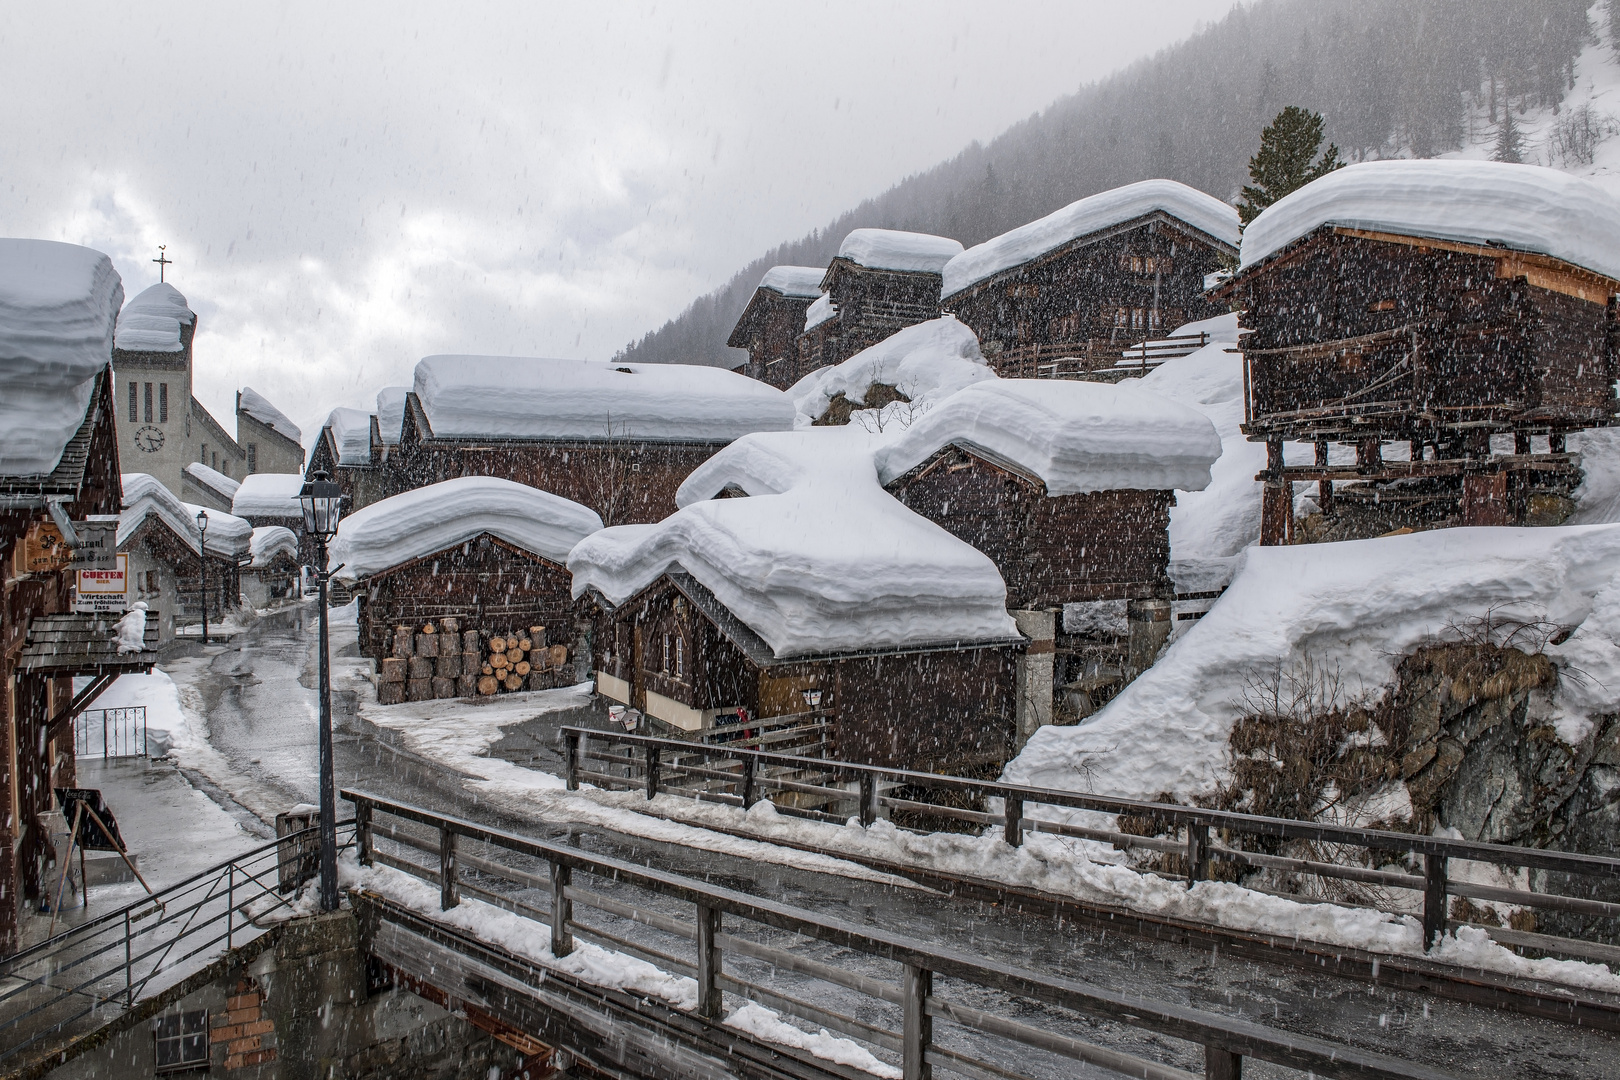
(322,502)
(202,562)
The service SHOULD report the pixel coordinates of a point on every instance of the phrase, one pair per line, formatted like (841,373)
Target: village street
(257,695)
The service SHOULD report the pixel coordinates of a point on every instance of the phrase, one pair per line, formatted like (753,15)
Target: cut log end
(514,682)
(488,684)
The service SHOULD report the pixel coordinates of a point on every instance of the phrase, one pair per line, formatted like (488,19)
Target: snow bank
(145,496)
(926,362)
(213,480)
(803,282)
(889,249)
(1073,436)
(825,562)
(151,322)
(1203,212)
(391,413)
(1524,207)
(351,434)
(511,397)
(268,495)
(429,519)
(258,406)
(820,310)
(1360,604)
(270,540)
(58,307)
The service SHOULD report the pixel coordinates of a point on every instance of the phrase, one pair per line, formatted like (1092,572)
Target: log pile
(441,660)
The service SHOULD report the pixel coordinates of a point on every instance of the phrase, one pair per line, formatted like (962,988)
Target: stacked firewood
(441,660)
(522,659)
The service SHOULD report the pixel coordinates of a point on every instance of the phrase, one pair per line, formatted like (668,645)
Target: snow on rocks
(889,249)
(270,540)
(822,561)
(58,308)
(802,282)
(1073,436)
(391,413)
(145,496)
(151,322)
(351,435)
(256,405)
(268,495)
(429,519)
(509,397)
(1361,603)
(213,480)
(1104,210)
(925,362)
(1521,207)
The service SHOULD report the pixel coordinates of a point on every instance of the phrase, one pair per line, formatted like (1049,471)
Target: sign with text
(96,546)
(104,590)
(44,549)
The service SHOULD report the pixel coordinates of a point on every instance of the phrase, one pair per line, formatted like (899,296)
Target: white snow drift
(268,495)
(269,541)
(926,362)
(151,322)
(890,249)
(258,406)
(802,282)
(391,413)
(213,480)
(145,496)
(351,435)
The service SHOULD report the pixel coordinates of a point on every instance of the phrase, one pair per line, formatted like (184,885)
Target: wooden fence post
(362,831)
(1012,812)
(918,1031)
(750,766)
(571,748)
(1434,899)
(1222,1064)
(1197,852)
(562,910)
(653,761)
(868,797)
(449,881)
(709,1003)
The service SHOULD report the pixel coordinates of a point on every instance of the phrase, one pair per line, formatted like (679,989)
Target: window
(202,454)
(680,657)
(215,465)
(134,402)
(253,457)
(181,1040)
(1120,316)
(163,403)
(148,399)
(669,652)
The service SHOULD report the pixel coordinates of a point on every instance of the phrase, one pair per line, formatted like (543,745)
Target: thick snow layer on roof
(213,480)
(889,249)
(820,310)
(269,540)
(1073,436)
(58,306)
(926,362)
(1523,207)
(514,397)
(351,432)
(803,282)
(151,322)
(391,413)
(268,495)
(145,496)
(430,519)
(818,560)
(1104,210)
(1360,606)
(258,406)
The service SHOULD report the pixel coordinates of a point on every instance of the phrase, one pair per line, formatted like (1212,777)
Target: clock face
(149,439)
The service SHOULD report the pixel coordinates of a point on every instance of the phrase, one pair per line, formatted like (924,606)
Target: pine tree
(1509,143)
(1287,160)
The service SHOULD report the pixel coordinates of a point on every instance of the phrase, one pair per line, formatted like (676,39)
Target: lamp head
(322,502)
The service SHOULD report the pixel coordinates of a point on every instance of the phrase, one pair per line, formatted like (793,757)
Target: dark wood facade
(361,485)
(1086,301)
(486,581)
(674,649)
(1362,338)
(770,328)
(626,481)
(872,305)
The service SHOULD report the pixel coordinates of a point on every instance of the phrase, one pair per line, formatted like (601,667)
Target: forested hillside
(1392,78)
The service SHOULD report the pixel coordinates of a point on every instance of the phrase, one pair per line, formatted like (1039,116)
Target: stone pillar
(1033,679)
(1147,626)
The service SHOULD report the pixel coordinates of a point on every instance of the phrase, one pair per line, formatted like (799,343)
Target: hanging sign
(95,545)
(44,549)
(104,590)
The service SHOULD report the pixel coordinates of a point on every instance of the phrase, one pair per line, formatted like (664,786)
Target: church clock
(149,439)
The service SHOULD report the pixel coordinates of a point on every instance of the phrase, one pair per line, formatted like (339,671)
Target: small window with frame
(180,1041)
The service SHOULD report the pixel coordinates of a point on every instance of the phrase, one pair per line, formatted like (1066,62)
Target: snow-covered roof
(145,496)
(428,519)
(258,406)
(213,480)
(511,397)
(926,361)
(268,495)
(351,433)
(820,310)
(1522,207)
(819,560)
(151,322)
(269,541)
(58,306)
(890,249)
(1073,436)
(1104,210)
(803,282)
(391,413)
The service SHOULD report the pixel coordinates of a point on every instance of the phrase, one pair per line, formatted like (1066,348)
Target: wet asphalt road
(260,702)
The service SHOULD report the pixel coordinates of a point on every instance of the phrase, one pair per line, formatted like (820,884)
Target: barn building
(618,438)
(164,550)
(484,552)
(58,471)
(273,573)
(1433,330)
(349,451)
(1066,295)
(771,324)
(881,281)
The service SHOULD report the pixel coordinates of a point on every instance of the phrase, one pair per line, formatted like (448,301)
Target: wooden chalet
(275,571)
(1067,295)
(880,282)
(350,451)
(771,324)
(675,652)
(167,569)
(1379,313)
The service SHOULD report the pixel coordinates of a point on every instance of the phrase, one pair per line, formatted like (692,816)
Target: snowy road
(257,698)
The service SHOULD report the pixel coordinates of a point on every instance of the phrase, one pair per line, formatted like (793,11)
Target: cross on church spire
(162,260)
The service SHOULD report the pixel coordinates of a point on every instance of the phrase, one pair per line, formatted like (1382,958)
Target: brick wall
(248,1037)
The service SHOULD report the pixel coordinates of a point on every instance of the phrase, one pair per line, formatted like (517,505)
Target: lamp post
(321,500)
(202,564)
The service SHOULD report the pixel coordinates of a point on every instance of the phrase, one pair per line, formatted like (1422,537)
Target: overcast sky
(346,188)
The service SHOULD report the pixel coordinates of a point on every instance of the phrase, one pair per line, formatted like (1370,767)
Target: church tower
(152,382)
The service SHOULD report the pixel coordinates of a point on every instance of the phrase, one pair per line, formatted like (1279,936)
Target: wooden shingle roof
(82,643)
